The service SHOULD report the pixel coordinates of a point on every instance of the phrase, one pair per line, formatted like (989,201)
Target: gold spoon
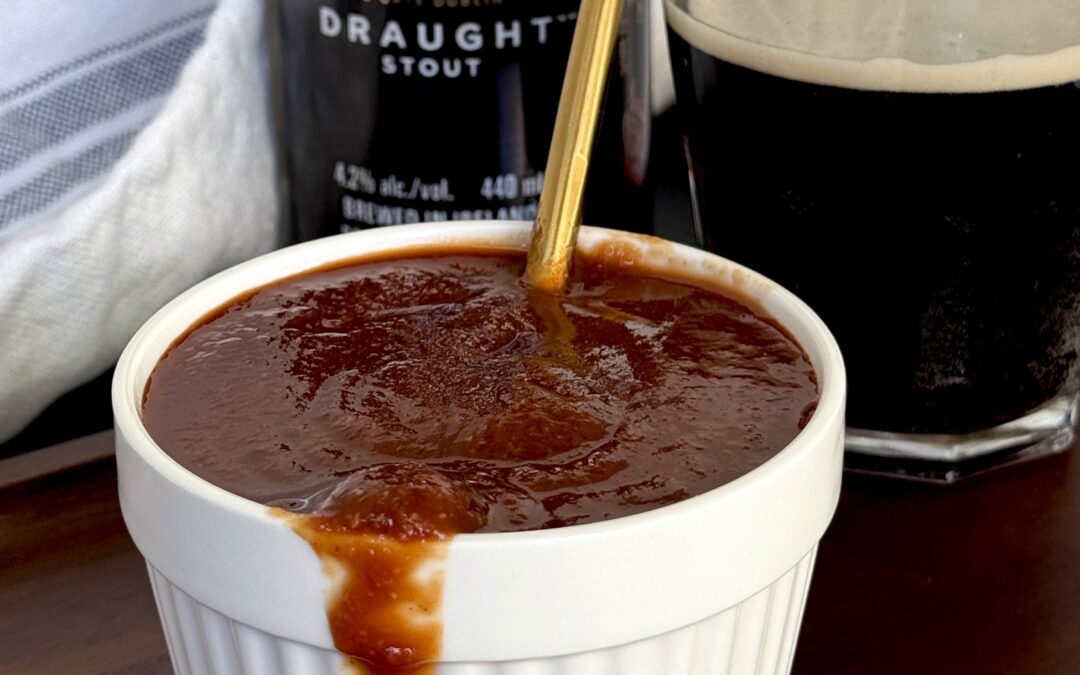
(554,234)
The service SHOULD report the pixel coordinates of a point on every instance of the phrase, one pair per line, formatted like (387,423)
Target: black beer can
(402,111)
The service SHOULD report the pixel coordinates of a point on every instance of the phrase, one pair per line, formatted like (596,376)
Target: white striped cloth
(136,158)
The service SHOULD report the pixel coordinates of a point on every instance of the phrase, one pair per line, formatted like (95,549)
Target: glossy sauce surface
(400,402)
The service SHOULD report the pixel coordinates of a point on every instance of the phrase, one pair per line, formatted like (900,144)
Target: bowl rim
(128,420)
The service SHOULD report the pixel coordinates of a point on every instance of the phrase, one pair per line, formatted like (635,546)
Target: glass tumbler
(911,169)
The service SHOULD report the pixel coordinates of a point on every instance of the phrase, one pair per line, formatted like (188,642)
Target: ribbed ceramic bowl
(713,584)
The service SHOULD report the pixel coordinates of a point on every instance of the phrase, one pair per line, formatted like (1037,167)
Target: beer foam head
(901,45)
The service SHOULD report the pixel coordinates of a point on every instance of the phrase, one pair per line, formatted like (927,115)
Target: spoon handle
(555,232)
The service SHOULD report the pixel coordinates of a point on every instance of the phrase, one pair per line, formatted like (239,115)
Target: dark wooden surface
(74,595)
(981,577)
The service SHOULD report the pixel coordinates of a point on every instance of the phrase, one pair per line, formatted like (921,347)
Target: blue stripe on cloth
(62,177)
(108,50)
(97,96)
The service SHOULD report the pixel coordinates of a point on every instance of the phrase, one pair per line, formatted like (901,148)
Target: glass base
(946,458)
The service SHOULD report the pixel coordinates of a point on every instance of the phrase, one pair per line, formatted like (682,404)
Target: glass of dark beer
(912,170)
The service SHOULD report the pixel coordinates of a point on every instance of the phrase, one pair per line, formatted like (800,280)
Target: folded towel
(118,190)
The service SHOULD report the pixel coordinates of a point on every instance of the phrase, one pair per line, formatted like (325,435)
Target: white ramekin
(713,584)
